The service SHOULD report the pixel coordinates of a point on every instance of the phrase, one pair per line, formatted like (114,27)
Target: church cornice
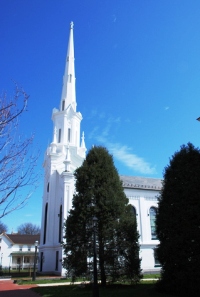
(133,197)
(155,198)
(142,183)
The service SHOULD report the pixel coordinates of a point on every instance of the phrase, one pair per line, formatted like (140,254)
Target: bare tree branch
(17,159)
(3,227)
(28,229)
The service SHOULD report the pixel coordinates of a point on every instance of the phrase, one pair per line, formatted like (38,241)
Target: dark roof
(24,239)
(136,182)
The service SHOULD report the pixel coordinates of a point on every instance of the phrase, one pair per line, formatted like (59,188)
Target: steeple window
(41,260)
(60,225)
(57,258)
(59,135)
(45,223)
(63,105)
(69,134)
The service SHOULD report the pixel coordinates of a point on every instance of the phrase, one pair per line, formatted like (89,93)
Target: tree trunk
(101,264)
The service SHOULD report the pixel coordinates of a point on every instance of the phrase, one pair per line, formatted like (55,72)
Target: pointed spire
(68,90)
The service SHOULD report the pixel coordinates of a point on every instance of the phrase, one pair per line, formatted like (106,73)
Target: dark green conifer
(99,193)
(178,223)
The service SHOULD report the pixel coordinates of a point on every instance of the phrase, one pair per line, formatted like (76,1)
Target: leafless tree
(18,177)
(3,227)
(28,229)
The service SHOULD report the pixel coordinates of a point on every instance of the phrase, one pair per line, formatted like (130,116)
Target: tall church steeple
(65,153)
(69,90)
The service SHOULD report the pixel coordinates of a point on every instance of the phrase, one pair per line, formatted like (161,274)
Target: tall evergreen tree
(99,193)
(178,223)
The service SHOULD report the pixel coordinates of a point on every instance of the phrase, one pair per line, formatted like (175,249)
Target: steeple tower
(65,153)
(69,91)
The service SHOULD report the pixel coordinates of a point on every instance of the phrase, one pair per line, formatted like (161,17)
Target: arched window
(133,210)
(153,212)
(45,223)
(60,225)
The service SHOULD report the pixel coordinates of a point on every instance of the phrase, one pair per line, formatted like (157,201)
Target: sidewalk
(9,289)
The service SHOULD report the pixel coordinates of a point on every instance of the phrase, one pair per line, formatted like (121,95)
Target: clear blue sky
(137,77)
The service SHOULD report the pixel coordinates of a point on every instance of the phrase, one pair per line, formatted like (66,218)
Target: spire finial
(71,25)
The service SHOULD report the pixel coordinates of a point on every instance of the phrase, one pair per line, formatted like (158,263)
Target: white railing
(22,266)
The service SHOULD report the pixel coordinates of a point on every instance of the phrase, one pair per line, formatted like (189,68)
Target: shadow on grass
(140,290)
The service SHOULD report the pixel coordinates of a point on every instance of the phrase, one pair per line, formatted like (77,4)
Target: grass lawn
(156,276)
(42,280)
(23,281)
(144,289)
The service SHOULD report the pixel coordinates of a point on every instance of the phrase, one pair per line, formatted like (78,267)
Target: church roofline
(136,182)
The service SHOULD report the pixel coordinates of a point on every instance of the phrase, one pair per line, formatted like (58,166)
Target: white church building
(66,153)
